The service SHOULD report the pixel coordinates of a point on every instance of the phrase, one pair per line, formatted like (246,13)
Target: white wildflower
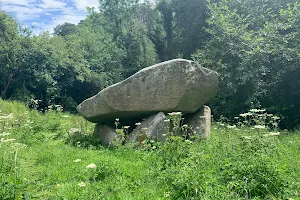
(4,134)
(8,140)
(77,160)
(178,113)
(272,134)
(167,194)
(234,126)
(245,114)
(91,166)
(137,124)
(259,126)
(10,116)
(82,184)
(126,127)
(254,110)
(174,113)
(74,130)
(189,141)
(257,110)
(275,117)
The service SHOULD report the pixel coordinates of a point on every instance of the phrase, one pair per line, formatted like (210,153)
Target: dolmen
(142,101)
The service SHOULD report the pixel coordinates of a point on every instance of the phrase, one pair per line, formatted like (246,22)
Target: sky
(46,14)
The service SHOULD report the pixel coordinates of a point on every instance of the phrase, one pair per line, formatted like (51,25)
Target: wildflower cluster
(254,119)
(91,171)
(175,120)
(57,108)
(6,120)
(259,119)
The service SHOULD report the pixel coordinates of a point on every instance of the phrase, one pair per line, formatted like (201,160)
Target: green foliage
(183,24)
(8,185)
(128,24)
(79,60)
(65,29)
(30,126)
(253,47)
(13,54)
(79,139)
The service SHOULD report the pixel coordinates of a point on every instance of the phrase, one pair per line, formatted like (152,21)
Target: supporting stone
(106,134)
(200,122)
(153,128)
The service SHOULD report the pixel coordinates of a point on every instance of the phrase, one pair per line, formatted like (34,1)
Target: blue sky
(46,14)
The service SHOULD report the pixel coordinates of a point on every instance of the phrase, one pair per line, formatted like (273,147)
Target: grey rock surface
(175,85)
(200,122)
(106,134)
(153,128)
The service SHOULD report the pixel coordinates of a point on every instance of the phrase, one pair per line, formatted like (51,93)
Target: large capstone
(176,85)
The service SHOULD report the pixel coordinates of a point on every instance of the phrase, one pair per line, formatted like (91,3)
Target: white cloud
(47,14)
(52,4)
(23,13)
(81,5)
(69,15)
(17,2)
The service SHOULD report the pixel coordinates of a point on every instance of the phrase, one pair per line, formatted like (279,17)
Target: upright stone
(153,128)
(106,134)
(200,122)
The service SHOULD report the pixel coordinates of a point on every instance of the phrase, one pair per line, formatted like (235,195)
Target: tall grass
(36,162)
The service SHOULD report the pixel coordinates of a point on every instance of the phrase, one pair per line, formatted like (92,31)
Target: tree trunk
(9,80)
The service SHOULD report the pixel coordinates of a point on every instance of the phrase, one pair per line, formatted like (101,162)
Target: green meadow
(42,159)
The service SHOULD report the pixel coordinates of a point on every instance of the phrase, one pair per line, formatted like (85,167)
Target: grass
(232,164)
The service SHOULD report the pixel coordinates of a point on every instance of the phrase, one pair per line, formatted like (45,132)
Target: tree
(124,20)
(189,17)
(254,46)
(12,52)
(65,29)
